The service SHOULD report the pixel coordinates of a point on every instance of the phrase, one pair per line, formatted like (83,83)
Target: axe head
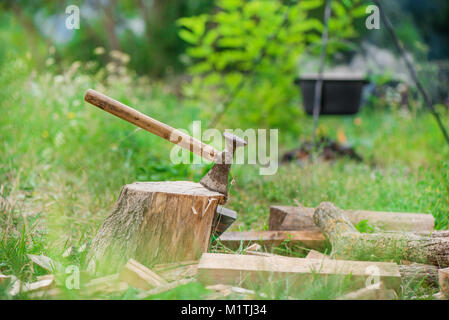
(217,177)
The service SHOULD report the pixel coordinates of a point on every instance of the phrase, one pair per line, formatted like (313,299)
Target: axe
(217,177)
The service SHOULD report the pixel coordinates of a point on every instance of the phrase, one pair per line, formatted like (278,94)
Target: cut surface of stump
(155,222)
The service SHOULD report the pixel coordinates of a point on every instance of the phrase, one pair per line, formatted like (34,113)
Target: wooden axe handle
(152,125)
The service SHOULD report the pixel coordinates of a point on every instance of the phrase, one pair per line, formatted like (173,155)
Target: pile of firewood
(403,251)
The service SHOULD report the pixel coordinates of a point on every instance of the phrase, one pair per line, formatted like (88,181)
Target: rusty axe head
(217,177)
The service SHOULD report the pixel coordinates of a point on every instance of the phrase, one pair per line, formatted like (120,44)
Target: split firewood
(46,263)
(107,284)
(418,273)
(178,271)
(223,219)
(139,276)
(301,218)
(313,254)
(172,265)
(348,243)
(444,282)
(434,234)
(291,218)
(155,222)
(4,280)
(269,239)
(236,269)
(373,292)
(439,296)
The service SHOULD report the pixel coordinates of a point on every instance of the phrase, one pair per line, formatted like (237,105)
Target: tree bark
(444,282)
(349,244)
(155,222)
(417,273)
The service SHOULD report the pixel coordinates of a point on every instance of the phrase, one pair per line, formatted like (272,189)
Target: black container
(340,95)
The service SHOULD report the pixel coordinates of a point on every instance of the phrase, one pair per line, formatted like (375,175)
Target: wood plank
(167,287)
(215,268)
(269,239)
(300,218)
(180,272)
(291,218)
(373,292)
(443,275)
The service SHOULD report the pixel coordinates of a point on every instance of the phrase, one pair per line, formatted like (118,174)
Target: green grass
(63,162)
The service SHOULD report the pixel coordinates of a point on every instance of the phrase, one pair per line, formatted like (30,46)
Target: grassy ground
(62,163)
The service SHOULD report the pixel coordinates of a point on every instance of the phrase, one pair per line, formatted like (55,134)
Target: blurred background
(230,64)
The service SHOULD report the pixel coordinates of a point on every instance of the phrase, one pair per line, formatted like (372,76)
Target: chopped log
(139,276)
(373,292)
(444,282)
(417,273)
(155,222)
(107,284)
(269,239)
(301,218)
(347,243)
(291,218)
(238,269)
(434,234)
(313,254)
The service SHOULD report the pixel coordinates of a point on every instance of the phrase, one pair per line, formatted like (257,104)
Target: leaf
(310,4)
(364,227)
(188,36)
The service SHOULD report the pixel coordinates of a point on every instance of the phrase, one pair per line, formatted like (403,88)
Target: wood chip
(139,276)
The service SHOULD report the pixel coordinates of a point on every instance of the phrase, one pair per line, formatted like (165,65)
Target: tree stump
(155,222)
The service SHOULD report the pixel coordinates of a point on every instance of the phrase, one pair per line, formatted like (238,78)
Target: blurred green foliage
(244,55)
(145,30)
